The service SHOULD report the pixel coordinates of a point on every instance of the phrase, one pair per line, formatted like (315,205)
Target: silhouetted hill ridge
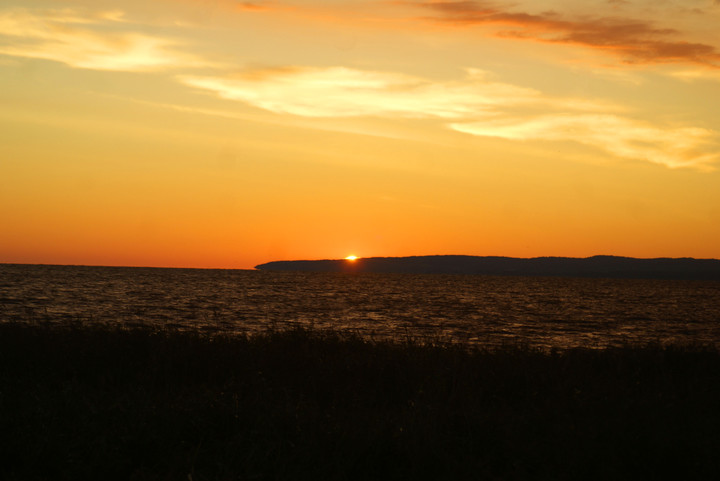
(595,266)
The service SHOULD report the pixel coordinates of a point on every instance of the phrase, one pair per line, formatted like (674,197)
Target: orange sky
(227,134)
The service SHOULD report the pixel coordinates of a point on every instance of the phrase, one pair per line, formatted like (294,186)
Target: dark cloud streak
(635,41)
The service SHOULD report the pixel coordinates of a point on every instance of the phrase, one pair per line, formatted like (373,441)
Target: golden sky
(228,133)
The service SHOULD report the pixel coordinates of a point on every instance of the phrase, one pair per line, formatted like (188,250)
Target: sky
(225,134)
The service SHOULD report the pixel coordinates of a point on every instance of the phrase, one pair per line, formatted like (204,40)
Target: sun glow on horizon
(137,133)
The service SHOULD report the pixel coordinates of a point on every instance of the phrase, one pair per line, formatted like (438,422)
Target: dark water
(542,311)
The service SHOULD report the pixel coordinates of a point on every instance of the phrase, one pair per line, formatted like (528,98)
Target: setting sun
(351,258)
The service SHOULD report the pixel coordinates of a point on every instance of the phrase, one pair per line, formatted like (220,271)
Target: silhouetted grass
(102,404)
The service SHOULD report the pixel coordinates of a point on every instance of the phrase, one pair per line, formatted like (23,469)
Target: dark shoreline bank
(610,267)
(100,403)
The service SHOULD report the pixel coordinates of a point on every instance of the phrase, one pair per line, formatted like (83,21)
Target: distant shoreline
(601,266)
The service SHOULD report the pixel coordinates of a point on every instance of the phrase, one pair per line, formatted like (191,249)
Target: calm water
(548,312)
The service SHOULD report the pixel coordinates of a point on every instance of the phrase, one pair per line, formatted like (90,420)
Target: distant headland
(596,266)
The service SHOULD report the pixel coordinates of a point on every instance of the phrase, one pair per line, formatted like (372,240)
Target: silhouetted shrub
(92,403)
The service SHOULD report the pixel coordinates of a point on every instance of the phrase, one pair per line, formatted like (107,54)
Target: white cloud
(475,105)
(345,92)
(77,40)
(623,137)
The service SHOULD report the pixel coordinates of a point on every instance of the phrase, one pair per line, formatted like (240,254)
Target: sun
(351,258)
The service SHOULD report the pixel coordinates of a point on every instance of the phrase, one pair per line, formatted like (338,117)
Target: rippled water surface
(542,311)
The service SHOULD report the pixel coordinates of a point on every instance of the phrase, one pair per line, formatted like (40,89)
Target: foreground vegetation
(85,403)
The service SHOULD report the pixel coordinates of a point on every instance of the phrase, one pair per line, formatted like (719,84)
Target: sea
(544,312)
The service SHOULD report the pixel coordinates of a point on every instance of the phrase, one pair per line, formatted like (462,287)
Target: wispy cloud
(693,75)
(623,137)
(475,105)
(253,6)
(77,39)
(346,92)
(635,41)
